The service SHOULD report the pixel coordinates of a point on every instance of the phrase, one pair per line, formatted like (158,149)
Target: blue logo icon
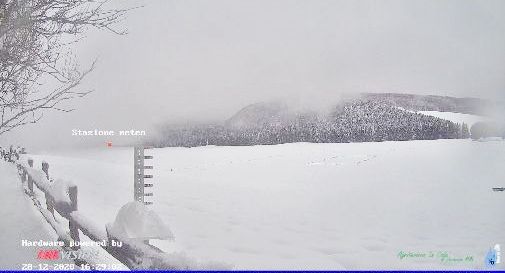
(491,258)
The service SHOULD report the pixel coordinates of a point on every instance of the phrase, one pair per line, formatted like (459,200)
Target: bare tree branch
(34,45)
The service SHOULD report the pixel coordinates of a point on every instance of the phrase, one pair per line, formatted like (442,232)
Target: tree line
(357,121)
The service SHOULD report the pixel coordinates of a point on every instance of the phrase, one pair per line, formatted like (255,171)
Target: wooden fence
(61,197)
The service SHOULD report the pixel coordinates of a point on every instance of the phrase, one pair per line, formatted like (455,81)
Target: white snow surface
(456,117)
(309,206)
(135,221)
(20,221)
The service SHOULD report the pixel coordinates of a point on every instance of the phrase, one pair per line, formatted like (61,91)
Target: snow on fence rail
(61,197)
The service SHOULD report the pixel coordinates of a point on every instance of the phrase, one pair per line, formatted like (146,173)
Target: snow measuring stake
(138,184)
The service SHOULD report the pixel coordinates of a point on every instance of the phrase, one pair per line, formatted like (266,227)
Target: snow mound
(135,221)
(59,190)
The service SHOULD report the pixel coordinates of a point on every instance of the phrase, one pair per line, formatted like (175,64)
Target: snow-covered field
(311,206)
(456,117)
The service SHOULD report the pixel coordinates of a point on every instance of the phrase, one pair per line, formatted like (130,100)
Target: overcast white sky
(204,60)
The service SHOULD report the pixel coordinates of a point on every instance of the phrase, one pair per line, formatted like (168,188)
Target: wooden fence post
(49,199)
(30,184)
(23,175)
(73,227)
(30,180)
(49,204)
(72,193)
(45,169)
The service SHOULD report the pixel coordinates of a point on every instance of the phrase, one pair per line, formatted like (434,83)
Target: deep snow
(310,206)
(135,221)
(20,221)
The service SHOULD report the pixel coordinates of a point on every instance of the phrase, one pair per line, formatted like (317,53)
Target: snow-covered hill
(456,117)
(311,206)
(356,120)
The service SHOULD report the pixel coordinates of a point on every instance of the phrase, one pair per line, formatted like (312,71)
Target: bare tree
(35,45)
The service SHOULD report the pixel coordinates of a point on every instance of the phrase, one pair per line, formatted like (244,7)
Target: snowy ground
(16,226)
(21,220)
(456,117)
(311,206)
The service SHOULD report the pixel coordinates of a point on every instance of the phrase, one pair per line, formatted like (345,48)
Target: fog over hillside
(355,118)
(253,134)
(203,61)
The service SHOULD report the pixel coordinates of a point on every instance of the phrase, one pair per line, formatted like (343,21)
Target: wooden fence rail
(62,197)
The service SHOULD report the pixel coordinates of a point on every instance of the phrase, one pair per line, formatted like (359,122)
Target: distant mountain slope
(259,115)
(367,117)
(412,102)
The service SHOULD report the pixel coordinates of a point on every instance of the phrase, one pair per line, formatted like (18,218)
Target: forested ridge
(361,119)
